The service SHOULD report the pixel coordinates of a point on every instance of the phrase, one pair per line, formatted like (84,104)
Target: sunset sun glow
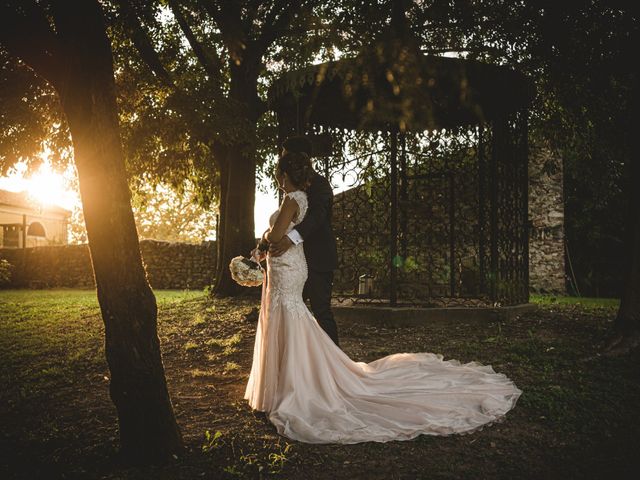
(45,186)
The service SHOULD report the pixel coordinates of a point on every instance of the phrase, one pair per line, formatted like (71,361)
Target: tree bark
(625,335)
(628,318)
(238,181)
(148,429)
(626,329)
(85,84)
(237,235)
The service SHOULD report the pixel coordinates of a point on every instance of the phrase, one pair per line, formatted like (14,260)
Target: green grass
(577,417)
(82,298)
(57,333)
(587,302)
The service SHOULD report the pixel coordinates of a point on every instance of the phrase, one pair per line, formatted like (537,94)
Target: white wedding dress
(313,392)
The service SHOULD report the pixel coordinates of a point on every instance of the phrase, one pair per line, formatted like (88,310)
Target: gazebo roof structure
(394,87)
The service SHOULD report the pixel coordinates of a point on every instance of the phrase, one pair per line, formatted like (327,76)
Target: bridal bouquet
(246,272)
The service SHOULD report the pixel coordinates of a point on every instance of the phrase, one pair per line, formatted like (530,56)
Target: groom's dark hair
(298,144)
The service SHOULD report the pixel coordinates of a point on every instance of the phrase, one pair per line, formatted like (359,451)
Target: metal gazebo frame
(454,155)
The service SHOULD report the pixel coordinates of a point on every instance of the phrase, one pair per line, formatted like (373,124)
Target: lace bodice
(288,272)
(301,199)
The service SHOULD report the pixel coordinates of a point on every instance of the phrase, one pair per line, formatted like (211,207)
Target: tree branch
(142,42)
(251,12)
(207,58)
(276,22)
(227,17)
(466,49)
(26,33)
(214,12)
(234,36)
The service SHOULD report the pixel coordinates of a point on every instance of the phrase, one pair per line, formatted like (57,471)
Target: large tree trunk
(237,228)
(85,83)
(238,183)
(626,332)
(628,319)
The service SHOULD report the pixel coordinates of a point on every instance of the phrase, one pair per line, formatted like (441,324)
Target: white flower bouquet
(246,272)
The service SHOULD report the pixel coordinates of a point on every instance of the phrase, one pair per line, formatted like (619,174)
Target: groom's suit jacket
(316,229)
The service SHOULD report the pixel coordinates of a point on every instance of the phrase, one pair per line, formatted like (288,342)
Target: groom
(316,234)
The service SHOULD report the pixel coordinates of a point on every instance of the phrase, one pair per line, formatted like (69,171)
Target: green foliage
(176,132)
(274,464)
(198,320)
(578,54)
(5,272)
(30,119)
(191,346)
(163,213)
(212,442)
(231,367)
(277,460)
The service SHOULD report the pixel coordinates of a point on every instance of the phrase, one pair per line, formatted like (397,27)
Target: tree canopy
(175,62)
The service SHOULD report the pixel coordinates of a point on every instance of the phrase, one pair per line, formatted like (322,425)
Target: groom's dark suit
(320,251)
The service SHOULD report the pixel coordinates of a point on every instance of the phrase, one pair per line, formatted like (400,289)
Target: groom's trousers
(317,290)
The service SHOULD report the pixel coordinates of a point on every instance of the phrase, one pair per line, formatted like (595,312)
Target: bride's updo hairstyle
(298,166)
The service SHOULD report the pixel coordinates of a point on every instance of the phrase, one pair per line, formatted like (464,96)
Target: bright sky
(266,204)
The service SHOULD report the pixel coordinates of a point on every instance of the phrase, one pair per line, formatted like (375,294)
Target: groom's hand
(278,248)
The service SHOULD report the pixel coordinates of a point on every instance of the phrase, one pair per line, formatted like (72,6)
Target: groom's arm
(318,212)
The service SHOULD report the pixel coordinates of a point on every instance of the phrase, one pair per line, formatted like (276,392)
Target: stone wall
(168,265)
(546,214)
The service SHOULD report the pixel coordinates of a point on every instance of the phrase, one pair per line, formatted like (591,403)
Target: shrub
(5,272)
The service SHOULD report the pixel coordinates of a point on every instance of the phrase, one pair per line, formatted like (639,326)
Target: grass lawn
(585,302)
(577,418)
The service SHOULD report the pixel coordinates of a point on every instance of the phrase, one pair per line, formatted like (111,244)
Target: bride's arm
(287,212)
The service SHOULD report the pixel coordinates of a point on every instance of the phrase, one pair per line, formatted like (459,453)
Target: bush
(5,272)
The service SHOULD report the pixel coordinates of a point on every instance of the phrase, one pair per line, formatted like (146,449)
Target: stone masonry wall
(546,214)
(168,265)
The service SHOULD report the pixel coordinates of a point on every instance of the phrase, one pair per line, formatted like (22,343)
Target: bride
(313,392)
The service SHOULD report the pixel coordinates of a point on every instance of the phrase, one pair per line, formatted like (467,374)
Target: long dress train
(313,392)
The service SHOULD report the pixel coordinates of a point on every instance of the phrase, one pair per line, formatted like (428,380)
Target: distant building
(26,223)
